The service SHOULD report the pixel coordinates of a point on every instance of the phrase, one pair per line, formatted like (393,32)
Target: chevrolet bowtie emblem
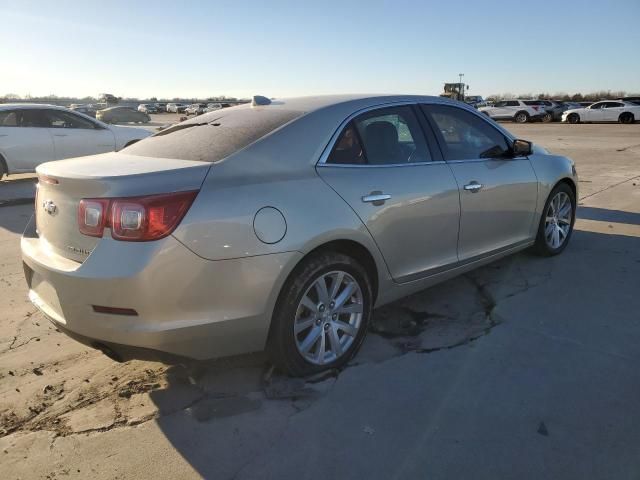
(49,207)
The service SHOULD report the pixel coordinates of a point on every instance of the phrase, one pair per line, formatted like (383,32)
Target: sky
(278,48)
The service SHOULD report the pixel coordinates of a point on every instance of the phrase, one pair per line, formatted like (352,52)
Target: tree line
(567,97)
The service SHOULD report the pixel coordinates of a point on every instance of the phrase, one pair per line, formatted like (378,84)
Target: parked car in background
(475,101)
(161,107)
(176,107)
(147,108)
(122,115)
(251,265)
(86,109)
(31,134)
(605,111)
(552,108)
(196,109)
(634,100)
(515,110)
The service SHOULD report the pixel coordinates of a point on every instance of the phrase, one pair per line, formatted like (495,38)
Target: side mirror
(521,148)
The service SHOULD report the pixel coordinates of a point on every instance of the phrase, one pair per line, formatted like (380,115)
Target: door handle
(377,198)
(473,187)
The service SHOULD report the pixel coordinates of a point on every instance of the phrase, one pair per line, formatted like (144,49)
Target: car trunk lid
(64,183)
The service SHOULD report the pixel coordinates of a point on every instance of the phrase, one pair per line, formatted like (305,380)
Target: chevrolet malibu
(281,224)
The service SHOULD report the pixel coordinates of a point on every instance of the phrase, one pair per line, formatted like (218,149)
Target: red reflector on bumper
(115,310)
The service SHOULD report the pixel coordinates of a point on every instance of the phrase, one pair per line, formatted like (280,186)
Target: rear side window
(511,103)
(387,136)
(215,135)
(466,136)
(8,118)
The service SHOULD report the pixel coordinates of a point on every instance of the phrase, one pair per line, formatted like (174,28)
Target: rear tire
(547,118)
(556,221)
(521,117)
(304,327)
(573,118)
(626,117)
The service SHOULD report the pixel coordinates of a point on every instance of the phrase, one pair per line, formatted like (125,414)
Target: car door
(76,136)
(612,111)
(595,112)
(498,193)
(405,195)
(25,141)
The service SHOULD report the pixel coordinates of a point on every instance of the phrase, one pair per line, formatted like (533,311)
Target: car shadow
(14,218)
(238,408)
(606,215)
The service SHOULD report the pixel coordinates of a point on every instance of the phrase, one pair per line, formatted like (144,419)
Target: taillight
(135,219)
(92,216)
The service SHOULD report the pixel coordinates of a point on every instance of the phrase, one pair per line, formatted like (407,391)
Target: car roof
(312,103)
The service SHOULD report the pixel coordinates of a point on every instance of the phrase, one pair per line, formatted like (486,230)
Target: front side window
(8,118)
(387,136)
(595,106)
(466,136)
(60,119)
(512,103)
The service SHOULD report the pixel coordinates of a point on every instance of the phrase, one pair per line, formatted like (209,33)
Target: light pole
(461,75)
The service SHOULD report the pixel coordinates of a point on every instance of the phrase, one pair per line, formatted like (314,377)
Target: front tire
(322,314)
(556,223)
(547,118)
(521,117)
(573,118)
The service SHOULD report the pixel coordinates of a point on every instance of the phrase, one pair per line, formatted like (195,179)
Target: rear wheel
(556,224)
(626,117)
(521,117)
(322,315)
(547,118)
(573,118)
(2,172)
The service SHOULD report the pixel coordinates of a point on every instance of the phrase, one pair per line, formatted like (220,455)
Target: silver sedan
(281,224)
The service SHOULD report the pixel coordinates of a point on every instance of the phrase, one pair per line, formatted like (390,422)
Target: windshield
(215,135)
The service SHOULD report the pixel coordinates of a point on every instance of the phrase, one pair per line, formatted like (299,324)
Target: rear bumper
(185,305)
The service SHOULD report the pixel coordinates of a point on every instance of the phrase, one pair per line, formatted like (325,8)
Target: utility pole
(461,75)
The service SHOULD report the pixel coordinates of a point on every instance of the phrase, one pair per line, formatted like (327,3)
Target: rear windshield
(215,135)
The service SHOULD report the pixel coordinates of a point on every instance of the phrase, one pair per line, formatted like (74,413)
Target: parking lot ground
(526,368)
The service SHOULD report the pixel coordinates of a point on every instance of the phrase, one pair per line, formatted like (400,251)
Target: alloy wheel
(328,317)
(558,220)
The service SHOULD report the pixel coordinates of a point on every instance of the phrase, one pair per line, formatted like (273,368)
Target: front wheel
(547,118)
(322,314)
(556,224)
(573,118)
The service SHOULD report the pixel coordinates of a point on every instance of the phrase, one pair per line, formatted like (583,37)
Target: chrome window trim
(347,165)
(480,160)
(322,162)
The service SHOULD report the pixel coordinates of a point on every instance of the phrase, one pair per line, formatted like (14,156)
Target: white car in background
(176,107)
(605,111)
(31,134)
(514,110)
